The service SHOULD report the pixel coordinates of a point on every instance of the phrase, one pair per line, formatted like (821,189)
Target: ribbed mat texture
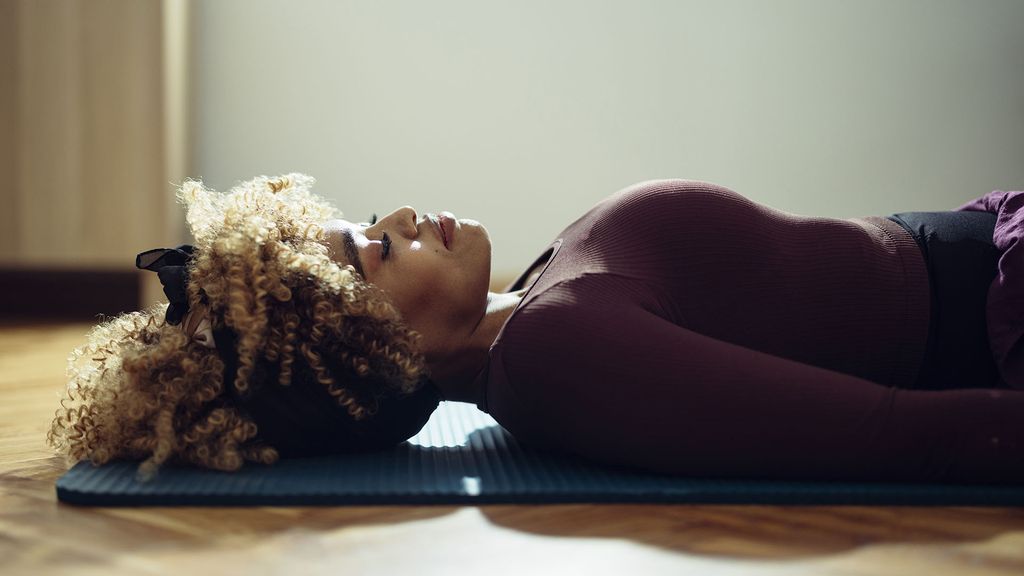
(462,456)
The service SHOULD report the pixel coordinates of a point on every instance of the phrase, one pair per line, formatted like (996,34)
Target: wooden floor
(38,535)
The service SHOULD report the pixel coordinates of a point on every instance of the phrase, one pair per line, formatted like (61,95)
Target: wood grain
(38,535)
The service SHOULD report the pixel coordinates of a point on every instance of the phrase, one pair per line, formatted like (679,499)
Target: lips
(443,230)
(444,233)
(447,223)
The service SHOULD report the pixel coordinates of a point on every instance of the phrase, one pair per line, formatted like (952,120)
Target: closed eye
(386,246)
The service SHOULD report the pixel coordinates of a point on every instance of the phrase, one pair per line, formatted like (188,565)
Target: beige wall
(523,113)
(520,114)
(85,151)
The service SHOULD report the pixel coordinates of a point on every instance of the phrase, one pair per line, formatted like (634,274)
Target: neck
(455,371)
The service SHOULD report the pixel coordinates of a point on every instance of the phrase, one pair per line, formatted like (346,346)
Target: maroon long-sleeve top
(680,327)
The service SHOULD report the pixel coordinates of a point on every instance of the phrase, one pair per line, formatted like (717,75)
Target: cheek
(416,289)
(433,290)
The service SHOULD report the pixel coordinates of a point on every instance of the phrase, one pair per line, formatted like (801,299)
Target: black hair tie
(171,266)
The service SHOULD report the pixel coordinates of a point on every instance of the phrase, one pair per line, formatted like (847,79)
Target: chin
(476,225)
(477,239)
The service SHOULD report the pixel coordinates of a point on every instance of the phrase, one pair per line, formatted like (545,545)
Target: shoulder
(569,321)
(550,352)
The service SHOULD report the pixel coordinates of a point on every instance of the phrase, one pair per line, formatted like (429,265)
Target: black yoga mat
(462,456)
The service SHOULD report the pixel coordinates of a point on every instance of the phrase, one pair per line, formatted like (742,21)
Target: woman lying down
(676,326)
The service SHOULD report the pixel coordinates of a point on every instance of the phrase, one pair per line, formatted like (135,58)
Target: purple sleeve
(676,401)
(1005,306)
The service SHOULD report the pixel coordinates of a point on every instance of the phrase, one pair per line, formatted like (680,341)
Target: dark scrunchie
(171,266)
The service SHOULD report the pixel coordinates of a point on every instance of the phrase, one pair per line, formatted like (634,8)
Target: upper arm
(632,388)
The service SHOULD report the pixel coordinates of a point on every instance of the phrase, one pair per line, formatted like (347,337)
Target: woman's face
(436,269)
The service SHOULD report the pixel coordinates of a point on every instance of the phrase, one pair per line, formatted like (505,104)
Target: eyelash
(385,240)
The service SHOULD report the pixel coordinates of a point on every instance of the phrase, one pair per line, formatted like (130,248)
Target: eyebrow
(350,251)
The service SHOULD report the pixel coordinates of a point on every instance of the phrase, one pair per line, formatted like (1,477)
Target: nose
(402,220)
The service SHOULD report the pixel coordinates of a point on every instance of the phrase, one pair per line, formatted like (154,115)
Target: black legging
(961,260)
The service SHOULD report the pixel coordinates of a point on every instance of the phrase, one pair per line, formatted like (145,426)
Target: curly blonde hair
(140,389)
